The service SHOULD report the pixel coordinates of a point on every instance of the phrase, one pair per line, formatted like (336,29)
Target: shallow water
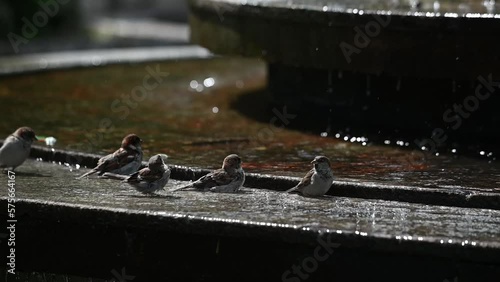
(195,116)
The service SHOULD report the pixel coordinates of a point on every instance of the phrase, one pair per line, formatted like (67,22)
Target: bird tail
(292,190)
(115,176)
(92,171)
(181,188)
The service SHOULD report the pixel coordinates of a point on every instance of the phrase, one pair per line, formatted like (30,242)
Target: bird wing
(118,159)
(216,178)
(144,174)
(306,181)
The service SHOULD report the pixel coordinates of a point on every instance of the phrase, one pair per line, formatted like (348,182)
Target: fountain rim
(284,11)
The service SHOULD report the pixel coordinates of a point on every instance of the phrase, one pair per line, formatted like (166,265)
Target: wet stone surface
(249,236)
(54,184)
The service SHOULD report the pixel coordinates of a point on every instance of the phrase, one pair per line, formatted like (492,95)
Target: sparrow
(317,181)
(125,160)
(227,179)
(149,179)
(16,148)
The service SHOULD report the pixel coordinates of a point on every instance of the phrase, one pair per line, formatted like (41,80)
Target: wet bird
(227,179)
(16,148)
(149,179)
(317,181)
(125,160)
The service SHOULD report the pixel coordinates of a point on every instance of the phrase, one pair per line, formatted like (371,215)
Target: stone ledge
(351,188)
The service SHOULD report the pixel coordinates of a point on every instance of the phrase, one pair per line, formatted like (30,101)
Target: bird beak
(313,161)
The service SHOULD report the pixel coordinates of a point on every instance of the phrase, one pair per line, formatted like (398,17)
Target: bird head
(157,161)
(321,162)
(26,133)
(131,141)
(232,161)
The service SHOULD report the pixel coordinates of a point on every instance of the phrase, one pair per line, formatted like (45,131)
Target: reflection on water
(192,111)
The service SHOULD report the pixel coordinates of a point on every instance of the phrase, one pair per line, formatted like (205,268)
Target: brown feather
(306,180)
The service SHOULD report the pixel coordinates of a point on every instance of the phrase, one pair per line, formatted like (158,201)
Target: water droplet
(43,63)
(482,153)
(96,60)
(215,110)
(453,151)
(325,8)
(209,82)
(368,82)
(324,134)
(387,142)
(193,84)
(436,6)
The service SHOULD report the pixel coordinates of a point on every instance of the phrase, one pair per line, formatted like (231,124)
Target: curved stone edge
(40,62)
(359,189)
(407,45)
(184,223)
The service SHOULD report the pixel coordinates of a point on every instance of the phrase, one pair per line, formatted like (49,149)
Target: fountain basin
(211,236)
(451,42)
(378,67)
